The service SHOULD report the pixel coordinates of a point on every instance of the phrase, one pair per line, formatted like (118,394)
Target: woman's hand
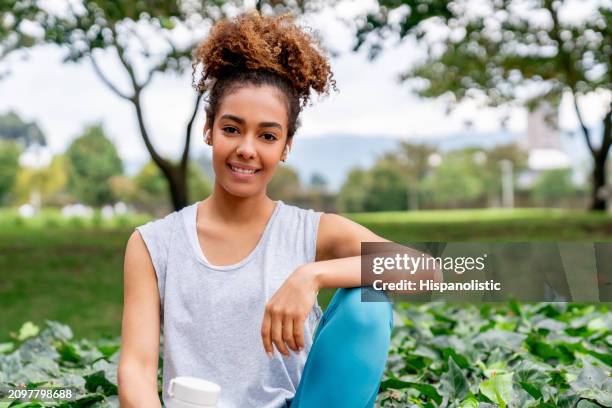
(286,312)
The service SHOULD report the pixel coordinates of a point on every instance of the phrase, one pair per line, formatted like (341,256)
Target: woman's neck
(231,209)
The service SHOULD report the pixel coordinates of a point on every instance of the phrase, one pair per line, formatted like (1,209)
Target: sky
(64,98)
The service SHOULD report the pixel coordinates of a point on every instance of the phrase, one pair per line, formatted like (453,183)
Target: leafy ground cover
(542,355)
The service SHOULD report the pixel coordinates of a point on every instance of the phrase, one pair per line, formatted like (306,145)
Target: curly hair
(261,50)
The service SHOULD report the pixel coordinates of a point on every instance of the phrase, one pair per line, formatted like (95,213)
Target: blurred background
(460,120)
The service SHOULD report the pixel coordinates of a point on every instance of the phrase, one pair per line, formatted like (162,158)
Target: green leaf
(460,359)
(586,404)
(593,383)
(425,389)
(453,382)
(6,348)
(69,352)
(99,380)
(498,389)
(470,402)
(27,330)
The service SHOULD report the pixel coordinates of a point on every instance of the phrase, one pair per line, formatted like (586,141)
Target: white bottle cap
(194,390)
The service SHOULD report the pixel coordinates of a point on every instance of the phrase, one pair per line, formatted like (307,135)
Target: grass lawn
(72,271)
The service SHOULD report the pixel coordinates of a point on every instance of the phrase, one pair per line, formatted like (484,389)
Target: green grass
(525,224)
(72,271)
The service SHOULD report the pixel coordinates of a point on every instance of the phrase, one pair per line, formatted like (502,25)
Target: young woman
(233,279)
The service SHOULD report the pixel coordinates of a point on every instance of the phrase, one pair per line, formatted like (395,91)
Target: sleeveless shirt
(211,315)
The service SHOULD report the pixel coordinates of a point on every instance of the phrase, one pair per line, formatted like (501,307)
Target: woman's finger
(277,333)
(298,332)
(288,332)
(266,334)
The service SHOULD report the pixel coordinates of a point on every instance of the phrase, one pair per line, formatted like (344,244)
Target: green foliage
(285,184)
(9,165)
(386,187)
(12,127)
(441,355)
(381,188)
(457,180)
(352,194)
(92,160)
(317,182)
(50,182)
(407,178)
(448,355)
(148,190)
(553,185)
(52,359)
(504,55)
(498,52)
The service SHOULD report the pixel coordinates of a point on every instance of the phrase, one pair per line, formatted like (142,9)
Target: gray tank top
(211,315)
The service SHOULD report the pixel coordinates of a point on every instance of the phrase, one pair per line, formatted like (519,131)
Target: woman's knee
(369,315)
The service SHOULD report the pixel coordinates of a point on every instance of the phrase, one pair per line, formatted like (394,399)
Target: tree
(147,38)
(386,189)
(147,190)
(456,181)
(551,186)
(92,160)
(506,50)
(49,182)
(15,129)
(9,165)
(285,184)
(414,161)
(353,192)
(318,182)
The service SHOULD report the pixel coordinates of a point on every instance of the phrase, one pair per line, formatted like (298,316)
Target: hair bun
(274,44)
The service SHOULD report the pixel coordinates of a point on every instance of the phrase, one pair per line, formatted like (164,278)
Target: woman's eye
(229,129)
(269,137)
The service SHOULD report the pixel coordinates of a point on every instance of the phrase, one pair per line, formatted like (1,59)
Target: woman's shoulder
(296,211)
(161,224)
(164,226)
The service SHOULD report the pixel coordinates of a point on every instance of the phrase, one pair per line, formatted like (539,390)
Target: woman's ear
(207,136)
(286,151)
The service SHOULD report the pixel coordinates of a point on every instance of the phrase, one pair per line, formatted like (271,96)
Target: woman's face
(248,139)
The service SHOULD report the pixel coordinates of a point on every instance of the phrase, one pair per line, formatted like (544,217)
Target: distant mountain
(333,156)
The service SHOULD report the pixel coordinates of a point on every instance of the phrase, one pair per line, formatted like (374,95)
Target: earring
(207,138)
(285,153)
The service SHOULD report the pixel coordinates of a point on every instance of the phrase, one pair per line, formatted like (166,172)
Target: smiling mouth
(242,171)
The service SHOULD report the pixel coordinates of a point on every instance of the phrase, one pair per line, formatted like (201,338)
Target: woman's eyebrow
(242,121)
(270,124)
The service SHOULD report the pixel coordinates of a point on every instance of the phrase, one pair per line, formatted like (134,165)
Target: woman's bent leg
(348,354)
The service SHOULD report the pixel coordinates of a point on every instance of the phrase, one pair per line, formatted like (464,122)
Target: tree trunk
(177,183)
(600,194)
(598,198)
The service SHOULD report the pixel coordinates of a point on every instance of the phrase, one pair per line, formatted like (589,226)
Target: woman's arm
(137,371)
(339,257)
(337,265)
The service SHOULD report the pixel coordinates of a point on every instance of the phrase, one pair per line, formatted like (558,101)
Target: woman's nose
(246,148)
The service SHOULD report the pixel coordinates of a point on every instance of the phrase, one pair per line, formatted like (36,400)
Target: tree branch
(585,130)
(128,67)
(185,156)
(160,161)
(104,79)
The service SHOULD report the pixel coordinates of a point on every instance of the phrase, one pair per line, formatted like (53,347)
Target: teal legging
(348,354)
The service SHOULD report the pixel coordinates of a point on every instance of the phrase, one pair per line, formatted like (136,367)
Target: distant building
(543,144)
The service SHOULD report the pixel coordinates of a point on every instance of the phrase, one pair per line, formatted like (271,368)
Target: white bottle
(192,392)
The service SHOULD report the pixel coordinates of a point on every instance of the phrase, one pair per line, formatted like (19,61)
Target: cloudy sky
(63,98)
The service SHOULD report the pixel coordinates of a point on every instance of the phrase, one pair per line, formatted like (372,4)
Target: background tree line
(413,176)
